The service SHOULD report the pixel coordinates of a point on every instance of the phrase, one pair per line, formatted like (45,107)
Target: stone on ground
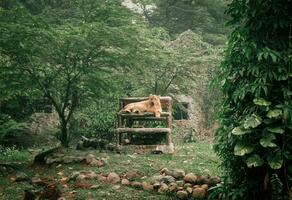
(125,182)
(190,178)
(113,178)
(181,194)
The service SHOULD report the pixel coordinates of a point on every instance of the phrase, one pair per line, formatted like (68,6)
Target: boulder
(177,173)
(163,188)
(190,178)
(113,178)
(125,182)
(147,186)
(181,194)
(162,179)
(97,163)
(180,183)
(131,174)
(137,185)
(199,193)
(213,181)
(74,175)
(156,185)
(91,175)
(101,178)
(81,177)
(189,190)
(186,185)
(202,180)
(172,187)
(21,176)
(89,158)
(72,159)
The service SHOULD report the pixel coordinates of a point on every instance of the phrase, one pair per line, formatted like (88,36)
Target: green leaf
(275,159)
(266,141)
(239,131)
(274,113)
(276,130)
(254,161)
(261,102)
(241,149)
(252,121)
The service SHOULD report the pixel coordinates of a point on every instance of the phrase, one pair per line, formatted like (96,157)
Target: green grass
(198,158)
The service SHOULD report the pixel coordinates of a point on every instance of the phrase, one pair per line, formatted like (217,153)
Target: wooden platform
(143,130)
(126,121)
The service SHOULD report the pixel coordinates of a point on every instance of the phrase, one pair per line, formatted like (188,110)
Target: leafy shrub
(8,154)
(255,114)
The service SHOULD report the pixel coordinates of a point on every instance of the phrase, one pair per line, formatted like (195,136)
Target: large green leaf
(254,161)
(252,121)
(275,159)
(274,113)
(276,130)
(267,140)
(261,102)
(239,131)
(241,149)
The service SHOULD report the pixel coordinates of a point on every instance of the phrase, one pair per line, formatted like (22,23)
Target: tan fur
(150,105)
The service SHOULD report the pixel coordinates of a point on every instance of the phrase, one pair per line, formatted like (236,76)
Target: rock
(164,170)
(186,185)
(177,173)
(97,163)
(156,179)
(162,179)
(147,186)
(51,160)
(131,174)
(205,187)
(116,187)
(137,185)
(180,188)
(168,179)
(94,186)
(125,182)
(113,178)
(189,190)
(72,159)
(91,175)
(80,177)
(74,175)
(172,187)
(163,188)
(21,176)
(89,158)
(190,178)
(36,180)
(180,183)
(101,178)
(202,180)
(213,181)
(156,185)
(181,194)
(199,193)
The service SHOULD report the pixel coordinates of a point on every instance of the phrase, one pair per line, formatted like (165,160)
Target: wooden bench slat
(143,130)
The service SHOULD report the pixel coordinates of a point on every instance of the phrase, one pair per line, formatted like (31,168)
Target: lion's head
(155,100)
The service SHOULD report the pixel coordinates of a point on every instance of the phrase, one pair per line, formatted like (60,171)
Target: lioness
(150,105)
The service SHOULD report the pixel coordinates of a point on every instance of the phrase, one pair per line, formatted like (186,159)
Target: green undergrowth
(198,158)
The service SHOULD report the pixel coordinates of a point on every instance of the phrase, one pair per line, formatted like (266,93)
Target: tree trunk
(64,137)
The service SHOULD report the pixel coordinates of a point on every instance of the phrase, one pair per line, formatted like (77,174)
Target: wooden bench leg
(118,135)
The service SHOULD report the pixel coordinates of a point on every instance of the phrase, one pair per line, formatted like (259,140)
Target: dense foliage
(204,17)
(255,138)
